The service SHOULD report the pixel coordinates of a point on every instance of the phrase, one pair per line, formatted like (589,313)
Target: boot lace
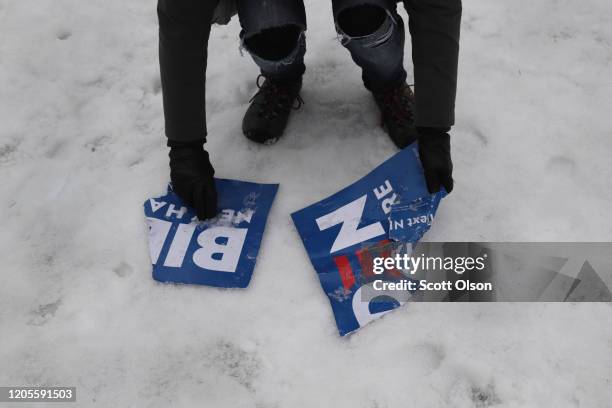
(276,98)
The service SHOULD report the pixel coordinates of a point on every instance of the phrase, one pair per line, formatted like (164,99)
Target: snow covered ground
(82,146)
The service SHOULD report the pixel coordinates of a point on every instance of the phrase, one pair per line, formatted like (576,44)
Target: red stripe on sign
(346,272)
(366,261)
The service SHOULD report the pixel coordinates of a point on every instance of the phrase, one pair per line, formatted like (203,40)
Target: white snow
(82,146)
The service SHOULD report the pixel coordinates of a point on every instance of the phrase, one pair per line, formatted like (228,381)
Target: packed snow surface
(82,146)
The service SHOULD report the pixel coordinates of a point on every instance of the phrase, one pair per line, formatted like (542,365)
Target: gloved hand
(434,151)
(192,177)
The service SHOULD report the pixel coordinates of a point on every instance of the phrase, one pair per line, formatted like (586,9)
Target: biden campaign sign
(219,252)
(342,233)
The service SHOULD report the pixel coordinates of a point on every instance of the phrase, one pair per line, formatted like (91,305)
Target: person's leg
(434,28)
(184,28)
(273,33)
(373,32)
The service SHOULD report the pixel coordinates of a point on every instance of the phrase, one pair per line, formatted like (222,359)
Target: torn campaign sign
(219,252)
(343,233)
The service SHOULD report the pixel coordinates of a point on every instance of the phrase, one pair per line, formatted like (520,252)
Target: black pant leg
(184,28)
(434,27)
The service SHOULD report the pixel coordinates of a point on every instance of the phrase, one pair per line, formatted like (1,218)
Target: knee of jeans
(273,43)
(369,23)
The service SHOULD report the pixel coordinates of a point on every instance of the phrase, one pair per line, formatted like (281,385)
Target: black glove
(434,151)
(192,177)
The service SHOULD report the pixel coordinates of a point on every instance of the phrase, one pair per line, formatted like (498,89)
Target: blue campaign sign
(220,252)
(341,233)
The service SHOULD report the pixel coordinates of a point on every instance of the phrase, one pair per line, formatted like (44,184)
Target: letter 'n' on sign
(350,217)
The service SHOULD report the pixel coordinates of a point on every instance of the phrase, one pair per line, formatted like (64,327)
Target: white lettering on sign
(158,232)
(383,191)
(361,308)
(235,217)
(222,257)
(227,216)
(244,216)
(350,217)
(156,205)
(173,211)
(220,247)
(179,246)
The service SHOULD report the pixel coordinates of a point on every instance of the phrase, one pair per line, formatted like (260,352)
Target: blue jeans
(379,51)
(273,32)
